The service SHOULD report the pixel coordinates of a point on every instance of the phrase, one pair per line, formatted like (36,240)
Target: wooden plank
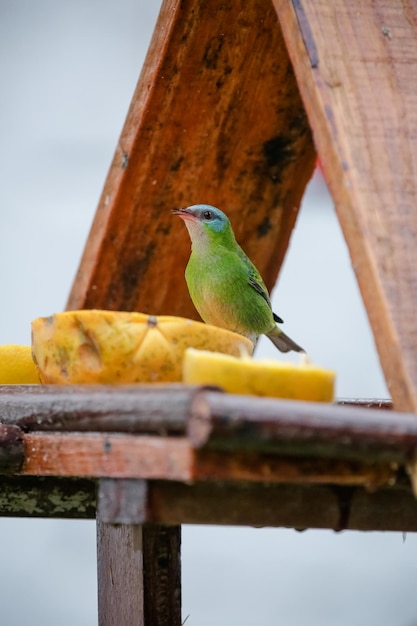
(143,457)
(254,467)
(216,118)
(162,574)
(51,497)
(260,438)
(120,574)
(100,455)
(155,409)
(235,423)
(281,505)
(122,501)
(354,63)
(258,504)
(11,448)
(245,503)
(125,551)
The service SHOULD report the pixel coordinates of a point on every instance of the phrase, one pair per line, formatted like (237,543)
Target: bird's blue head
(206,223)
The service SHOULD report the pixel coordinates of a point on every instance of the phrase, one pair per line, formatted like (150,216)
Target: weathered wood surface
(112,455)
(162,574)
(212,465)
(173,459)
(251,503)
(51,497)
(82,431)
(155,409)
(232,422)
(291,506)
(122,501)
(216,118)
(122,457)
(74,431)
(139,566)
(120,575)
(355,65)
(11,449)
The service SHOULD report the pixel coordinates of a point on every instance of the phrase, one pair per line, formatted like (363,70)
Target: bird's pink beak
(185,214)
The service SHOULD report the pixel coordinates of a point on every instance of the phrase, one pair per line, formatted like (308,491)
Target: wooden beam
(216,118)
(11,449)
(208,418)
(100,455)
(251,466)
(311,429)
(353,64)
(211,502)
(155,409)
(51,497)
(162,575)
(149,432)
(120,575)
(291,506)
(128,554)
(122,501)
(92,455)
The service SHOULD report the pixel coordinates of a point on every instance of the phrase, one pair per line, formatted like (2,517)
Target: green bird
(225,287)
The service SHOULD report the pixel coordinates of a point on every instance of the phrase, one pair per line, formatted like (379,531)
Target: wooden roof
(217,117)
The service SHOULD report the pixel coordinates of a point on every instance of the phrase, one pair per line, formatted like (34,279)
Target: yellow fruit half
(277,379)
(17,366)
(93,346)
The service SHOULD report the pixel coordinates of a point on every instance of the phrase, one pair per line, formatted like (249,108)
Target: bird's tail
(283,342)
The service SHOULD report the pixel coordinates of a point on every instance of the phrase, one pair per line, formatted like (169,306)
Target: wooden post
(120,574)
(138,566)
(355,64)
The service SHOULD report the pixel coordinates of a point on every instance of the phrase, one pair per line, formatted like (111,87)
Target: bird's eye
(208,215)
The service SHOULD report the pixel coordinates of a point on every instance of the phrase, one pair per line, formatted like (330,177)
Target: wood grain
(215,465)
(122,501)
(120,574)
(361,98)
(162,574)
(112,455)
(310,429)
(11,448)
(51,497)
(128,457)
(217,118)
(280,505)
(155,409)
(252,503)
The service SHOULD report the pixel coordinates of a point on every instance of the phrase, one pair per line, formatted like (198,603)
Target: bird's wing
(277,318)
(259,288)
(256,282)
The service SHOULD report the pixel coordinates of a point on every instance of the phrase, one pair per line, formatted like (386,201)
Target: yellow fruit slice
(277,379)
(92,346)
(17,366)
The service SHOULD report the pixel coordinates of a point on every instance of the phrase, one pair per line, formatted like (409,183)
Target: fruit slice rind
(271,378)
(93,346)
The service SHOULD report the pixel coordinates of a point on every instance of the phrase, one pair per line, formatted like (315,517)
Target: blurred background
(68,71)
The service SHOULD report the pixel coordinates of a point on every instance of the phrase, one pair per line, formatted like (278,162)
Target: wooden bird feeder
(225,111)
